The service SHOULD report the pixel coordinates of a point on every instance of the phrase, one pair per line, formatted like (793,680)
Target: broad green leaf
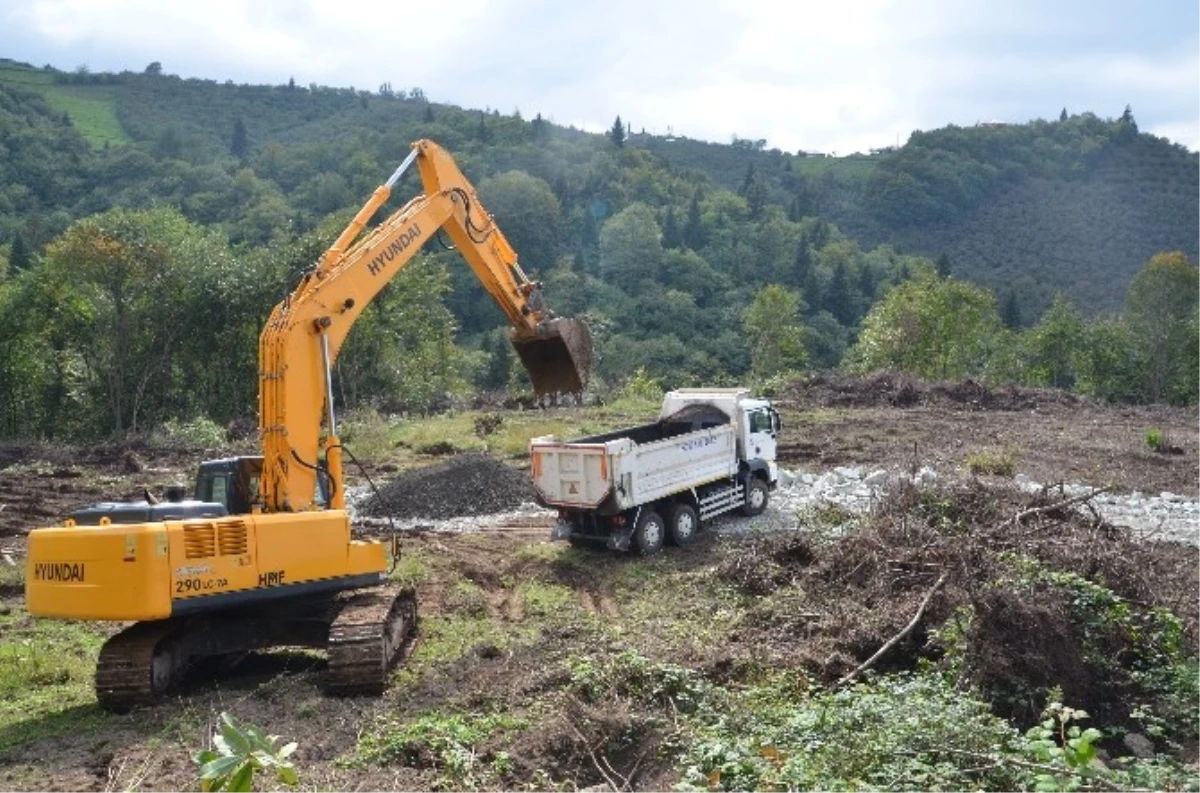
(234,737)
(242,781)
(219,767)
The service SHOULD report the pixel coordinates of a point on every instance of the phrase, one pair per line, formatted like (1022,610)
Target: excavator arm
(304,333)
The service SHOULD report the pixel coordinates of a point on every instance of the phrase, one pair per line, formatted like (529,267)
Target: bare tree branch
(865,665)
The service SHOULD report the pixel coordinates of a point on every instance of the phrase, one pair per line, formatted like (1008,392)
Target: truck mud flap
(558,358)
(620,539)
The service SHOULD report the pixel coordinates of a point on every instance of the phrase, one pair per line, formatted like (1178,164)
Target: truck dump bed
(638,465)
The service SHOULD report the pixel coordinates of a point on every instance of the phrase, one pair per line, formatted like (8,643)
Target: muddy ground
(872,589)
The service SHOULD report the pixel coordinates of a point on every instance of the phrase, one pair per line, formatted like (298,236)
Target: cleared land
(542,666)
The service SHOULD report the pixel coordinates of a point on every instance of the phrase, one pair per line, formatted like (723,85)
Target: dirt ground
(893,421)
(828,421)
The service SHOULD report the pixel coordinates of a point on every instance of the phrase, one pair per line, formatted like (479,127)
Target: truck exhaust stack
(558,358)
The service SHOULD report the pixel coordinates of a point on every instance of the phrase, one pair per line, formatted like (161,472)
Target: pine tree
(839,301)
(538,128)
(943,264)
(239,146)
(672,238)
(756,198)
(19,257)
(814,295)
(693,229)
(617,133)
(1010,310)
(803,261)
(1063,115)
(747,180)
(428,118)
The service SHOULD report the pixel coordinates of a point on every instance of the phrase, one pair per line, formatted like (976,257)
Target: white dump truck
(711,451)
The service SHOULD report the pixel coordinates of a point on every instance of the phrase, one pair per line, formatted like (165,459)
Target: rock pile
(467,484)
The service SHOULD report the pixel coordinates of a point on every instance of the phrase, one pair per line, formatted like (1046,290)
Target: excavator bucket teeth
(559,358)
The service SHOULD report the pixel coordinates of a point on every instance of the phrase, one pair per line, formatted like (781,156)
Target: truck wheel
(682,525)
(649,532)
(757,496)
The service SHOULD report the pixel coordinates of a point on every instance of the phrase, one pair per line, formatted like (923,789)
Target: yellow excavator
(263,554)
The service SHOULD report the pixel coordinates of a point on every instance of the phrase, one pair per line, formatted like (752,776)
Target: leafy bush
(198,432)
(1154,439)
(898,732)
(449,743)
(631,675)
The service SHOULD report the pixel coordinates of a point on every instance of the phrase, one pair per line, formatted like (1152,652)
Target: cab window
(760,421)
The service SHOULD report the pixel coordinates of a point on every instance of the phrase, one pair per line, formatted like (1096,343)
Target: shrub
(990,463)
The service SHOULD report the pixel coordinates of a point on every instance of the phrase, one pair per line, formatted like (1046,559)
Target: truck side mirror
(776,422)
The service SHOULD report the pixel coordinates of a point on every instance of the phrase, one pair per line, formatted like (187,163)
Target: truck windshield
(760,421)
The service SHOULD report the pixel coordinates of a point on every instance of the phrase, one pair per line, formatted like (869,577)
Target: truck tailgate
(570,474)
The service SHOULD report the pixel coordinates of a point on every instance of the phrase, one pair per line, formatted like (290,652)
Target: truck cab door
(760,434)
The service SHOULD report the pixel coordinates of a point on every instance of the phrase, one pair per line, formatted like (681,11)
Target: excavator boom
(302,338)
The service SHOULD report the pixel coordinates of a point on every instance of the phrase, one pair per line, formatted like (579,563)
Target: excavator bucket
(558,358)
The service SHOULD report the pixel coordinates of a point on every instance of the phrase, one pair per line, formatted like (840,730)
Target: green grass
(12,577)
(511,438)
(46,669)
(91,108)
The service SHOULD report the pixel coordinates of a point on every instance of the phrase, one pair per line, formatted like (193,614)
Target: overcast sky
(835,75)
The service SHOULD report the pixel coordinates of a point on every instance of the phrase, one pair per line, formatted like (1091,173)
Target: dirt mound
(1034,592)
(893,389)
(467,484)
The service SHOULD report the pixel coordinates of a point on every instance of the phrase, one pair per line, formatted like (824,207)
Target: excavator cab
(232,481)
(558,358)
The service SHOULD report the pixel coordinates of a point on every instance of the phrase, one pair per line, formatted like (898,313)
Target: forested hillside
(148,223)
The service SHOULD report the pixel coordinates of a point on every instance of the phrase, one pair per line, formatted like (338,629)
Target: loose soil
(817,607)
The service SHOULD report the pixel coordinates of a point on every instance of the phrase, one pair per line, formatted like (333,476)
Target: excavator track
(373,628)
(136,666)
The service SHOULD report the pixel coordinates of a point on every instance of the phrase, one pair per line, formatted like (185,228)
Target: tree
(19,258)
(672,236)
(1063,115)
(631,247)
(617,133)
(124,266)
(929,326)
(772,326)
(239,146)
(1160,309)
(1055,345)
(693,228)
(427,116)
(803,261)
(154,68)
(838,299)
(1010,310)
(529,214)
(943,265)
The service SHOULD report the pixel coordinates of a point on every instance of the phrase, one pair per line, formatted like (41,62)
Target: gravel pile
(463,485)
